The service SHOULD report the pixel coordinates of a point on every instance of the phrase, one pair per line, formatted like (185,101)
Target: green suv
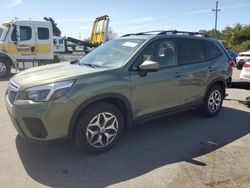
(133,78)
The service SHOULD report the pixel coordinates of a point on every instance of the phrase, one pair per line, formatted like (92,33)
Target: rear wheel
(5,68)
(99,128)
(213,101)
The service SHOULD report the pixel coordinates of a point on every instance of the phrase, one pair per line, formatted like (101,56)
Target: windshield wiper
(91,65)
(75,62)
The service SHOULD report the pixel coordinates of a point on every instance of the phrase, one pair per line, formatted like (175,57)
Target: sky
(75,17)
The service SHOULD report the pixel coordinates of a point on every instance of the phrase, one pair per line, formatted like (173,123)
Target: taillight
(246,65)
(231,63)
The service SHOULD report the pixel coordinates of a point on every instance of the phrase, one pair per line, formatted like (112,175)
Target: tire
(5,68)
(248,101)
(239,66)
(92,133)
(213,101)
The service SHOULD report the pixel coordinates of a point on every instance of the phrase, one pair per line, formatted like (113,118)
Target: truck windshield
(4,34)
(112,54)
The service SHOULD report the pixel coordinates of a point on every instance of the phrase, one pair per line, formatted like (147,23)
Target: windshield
(4,34)
(112,54)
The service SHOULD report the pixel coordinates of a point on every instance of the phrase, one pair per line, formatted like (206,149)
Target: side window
(25,33)
(192,51)
(162,51)
(13,34)
(212,50)
(54,41)
(60,41)
(43,33)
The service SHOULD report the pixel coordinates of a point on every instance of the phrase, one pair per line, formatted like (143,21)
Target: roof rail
(175,32)
(168,32)
(143,33)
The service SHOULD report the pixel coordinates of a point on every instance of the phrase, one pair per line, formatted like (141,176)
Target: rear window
(43,33)
(212,50)
(192,51)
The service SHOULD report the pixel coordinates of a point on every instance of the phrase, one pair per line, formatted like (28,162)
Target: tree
(236,38)
(56,30)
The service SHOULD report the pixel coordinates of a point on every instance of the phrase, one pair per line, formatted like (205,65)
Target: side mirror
(17,33)
(149,66)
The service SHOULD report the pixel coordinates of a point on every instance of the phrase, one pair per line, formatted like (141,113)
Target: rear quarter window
(212,50)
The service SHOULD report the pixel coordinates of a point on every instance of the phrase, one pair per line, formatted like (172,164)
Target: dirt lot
(183,150)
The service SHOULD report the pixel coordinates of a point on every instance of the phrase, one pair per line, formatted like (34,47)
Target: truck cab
(25,42)
(59,44)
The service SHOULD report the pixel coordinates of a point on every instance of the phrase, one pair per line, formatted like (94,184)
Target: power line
(216,10)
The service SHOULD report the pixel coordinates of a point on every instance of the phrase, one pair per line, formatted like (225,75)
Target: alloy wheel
(2,68)
(102,130)
(214,101)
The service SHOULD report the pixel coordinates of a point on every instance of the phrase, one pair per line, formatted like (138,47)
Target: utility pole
(216,10)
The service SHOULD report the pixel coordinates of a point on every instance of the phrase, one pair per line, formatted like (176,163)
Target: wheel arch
(118,100)
(8,58)
(219,81)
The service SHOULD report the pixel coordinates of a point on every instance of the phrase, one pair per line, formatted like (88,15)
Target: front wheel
(99,128)
(5,69)
(213,101)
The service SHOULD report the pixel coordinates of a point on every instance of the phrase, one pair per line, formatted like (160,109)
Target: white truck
(59,44)
(25,43)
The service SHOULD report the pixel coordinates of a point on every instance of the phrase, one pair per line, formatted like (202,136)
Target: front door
(193,62)
(159,90)
(24,48)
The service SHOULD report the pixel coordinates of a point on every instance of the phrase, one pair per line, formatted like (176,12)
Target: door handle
(177,75)
(210,68)
(32,48)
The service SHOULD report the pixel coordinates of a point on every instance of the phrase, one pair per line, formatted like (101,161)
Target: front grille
(12,96)
(12,92)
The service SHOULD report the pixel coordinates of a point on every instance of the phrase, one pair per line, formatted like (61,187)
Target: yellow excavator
(98,35)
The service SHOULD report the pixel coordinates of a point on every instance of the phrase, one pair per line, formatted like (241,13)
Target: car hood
(52,73)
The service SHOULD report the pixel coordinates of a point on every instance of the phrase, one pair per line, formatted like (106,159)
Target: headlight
(48,92)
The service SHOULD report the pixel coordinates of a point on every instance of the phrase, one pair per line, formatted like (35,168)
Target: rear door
(44,41)
(195,69)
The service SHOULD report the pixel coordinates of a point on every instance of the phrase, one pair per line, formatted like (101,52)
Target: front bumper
(41,121)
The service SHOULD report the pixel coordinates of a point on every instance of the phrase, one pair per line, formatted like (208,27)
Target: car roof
(169,34)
